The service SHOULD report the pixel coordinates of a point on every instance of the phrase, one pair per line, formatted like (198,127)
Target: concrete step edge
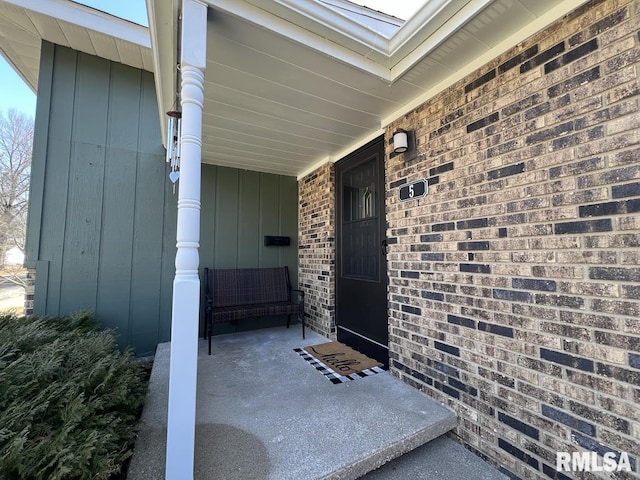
(394,450)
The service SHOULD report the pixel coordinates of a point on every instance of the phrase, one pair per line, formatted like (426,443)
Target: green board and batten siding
(239,208)
(102,221)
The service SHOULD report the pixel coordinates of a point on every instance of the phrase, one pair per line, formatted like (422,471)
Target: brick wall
(526,249)
(316,243)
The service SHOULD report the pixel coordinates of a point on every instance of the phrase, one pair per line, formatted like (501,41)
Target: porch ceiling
(291,85)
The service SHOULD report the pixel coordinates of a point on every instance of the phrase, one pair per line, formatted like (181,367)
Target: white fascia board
(421,19)
(401,63)
(163,29)
(354,11)
(88,18)
(563,8)
(338,22)
(325,18)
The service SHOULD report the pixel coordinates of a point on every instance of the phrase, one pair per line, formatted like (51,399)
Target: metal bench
(234,294)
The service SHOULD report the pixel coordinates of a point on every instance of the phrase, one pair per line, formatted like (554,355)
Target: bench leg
(209,328)
(288,320)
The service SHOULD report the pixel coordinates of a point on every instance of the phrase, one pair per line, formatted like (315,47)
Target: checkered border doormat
(333,376)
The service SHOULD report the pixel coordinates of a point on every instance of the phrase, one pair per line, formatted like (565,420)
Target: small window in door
(360,230)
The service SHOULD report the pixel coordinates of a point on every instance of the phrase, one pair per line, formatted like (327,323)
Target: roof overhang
(25,23)
(443,42)
(289,85)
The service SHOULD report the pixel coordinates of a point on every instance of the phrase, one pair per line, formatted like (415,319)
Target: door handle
(385,247)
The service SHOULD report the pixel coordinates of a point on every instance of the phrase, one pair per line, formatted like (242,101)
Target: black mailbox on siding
(273,241)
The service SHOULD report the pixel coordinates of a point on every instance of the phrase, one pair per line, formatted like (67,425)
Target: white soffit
(25,23)
(291,84)
(321,26)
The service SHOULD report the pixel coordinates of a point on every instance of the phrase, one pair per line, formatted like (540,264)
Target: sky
(15,94)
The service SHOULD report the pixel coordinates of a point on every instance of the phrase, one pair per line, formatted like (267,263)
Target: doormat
(338,362)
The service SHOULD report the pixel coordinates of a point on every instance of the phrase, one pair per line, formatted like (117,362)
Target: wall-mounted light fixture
(404,142)
(400,141)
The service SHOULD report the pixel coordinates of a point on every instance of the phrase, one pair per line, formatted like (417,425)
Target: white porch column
(186,285)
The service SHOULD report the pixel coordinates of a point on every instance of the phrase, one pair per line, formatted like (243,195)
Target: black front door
(361,277)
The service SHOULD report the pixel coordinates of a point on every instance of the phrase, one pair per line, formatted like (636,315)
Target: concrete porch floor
(265,413)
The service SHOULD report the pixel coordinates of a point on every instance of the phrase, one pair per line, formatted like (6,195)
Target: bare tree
(16,140)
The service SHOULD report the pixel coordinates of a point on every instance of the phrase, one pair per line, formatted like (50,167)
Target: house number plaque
(413,190)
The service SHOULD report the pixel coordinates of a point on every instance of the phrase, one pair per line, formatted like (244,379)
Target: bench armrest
(300,296)
(301,303)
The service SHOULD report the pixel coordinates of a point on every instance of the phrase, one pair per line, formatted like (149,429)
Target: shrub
(69,400)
